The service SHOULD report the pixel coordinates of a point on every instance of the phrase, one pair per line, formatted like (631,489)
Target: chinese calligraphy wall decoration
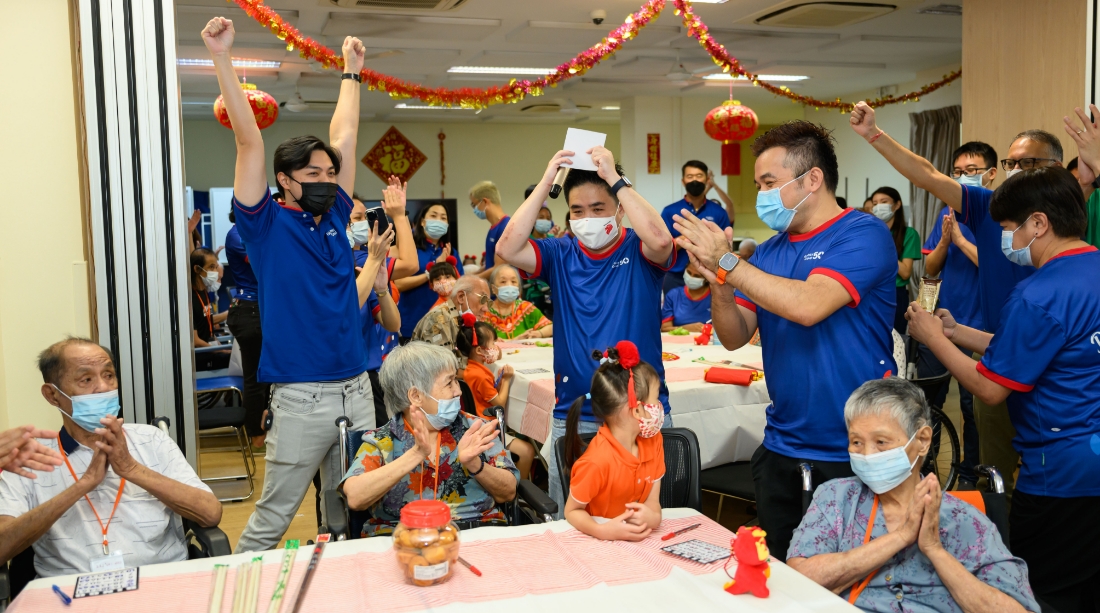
(653,153)
(394,154)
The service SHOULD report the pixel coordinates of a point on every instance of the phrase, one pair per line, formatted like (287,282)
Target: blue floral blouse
(837,522)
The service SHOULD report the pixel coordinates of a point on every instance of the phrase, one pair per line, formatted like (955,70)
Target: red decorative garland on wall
(516,90)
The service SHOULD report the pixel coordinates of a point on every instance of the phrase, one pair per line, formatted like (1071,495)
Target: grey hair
(467,283)
(897,397)
(496,271)
(1054,146)
(414,366)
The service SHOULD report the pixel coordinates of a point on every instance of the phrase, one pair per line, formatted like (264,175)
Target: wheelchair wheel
(944,439)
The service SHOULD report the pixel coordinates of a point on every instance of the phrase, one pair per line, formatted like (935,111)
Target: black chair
(680,487)
(734,480)
(220,421)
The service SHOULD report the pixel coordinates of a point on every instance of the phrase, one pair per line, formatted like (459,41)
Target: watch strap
(621,183)
(352,75)
(721,274)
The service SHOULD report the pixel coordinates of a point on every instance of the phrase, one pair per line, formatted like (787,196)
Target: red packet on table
(732,376)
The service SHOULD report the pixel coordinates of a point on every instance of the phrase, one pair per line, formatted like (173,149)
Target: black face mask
(695,188)
(317,198)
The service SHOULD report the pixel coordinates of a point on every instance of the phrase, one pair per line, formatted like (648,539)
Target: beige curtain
(934,135)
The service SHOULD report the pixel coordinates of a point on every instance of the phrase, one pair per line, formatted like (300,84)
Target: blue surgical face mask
(770,208)
(435,228)
(480,213)
(693,282)
(508,293)
(972,180)
(446,411)
(885,470)
(1022,256)
(88,409)
(359,233)
(542,226)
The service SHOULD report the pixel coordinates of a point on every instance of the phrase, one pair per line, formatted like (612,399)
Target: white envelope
(580,141)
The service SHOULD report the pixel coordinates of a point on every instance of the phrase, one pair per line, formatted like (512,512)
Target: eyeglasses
(481,298)
(970,171)
(1025,163)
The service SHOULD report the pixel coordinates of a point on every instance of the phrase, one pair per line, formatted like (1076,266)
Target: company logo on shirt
(622,262)
(1095,340)
(813,256)
(331,232)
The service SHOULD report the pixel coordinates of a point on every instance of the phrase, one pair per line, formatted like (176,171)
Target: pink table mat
(691,373)
(374,582)
(539,409)
(679,340)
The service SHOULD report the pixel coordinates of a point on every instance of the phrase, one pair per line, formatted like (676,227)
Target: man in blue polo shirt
(244,322)
(300,254)
(698,181)
(485,201)
(605,279)
(822,297)
(996,275)
(1045,360)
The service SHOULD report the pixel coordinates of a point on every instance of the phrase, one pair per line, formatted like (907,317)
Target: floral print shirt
(837,521)
(467,499)
(524,316)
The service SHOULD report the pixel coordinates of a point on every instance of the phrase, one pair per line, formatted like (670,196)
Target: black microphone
(559,180)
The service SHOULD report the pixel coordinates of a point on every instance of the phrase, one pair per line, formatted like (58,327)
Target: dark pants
(1059,538)
(929,366)
(672,281)
(380,416)
(779,493)
(244,323)
(900,323)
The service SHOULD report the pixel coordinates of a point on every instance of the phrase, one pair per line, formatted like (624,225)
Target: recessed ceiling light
(500,70)
(609,108)
(427,107)
(763,77)
(237,62)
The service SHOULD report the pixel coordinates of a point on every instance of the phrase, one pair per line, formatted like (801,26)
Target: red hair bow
(468,321)
(628,359)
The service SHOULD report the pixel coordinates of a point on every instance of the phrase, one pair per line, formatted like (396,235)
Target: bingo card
(109,582)
(698,551)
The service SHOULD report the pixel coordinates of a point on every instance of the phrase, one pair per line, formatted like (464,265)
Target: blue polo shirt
(601,300)
(996,275)
(377,340)
(711,211)
(307,286)
(1047,351)
(681,309)
(811,371)
(416,302)
(491,242)
(959,277)
(246,287)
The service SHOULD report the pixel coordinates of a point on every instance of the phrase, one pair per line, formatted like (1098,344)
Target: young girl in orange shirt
(618,476)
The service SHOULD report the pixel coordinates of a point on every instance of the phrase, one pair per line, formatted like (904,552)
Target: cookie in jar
(426,542)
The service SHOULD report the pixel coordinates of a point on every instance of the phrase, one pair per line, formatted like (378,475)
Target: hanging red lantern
(263,105)
(731,123)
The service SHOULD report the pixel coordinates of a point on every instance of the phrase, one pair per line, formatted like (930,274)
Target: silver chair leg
(246,476)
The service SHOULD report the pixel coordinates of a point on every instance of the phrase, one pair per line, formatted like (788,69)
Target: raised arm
(513,245)
(969,249)
(1087,137)
(250,178)
(646,220)
(389,315)
(917,170)
(393,203)
(377,247)
(723,196)
(344,129)
(935,259)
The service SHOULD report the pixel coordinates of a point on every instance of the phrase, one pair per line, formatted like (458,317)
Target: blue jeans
(557,432)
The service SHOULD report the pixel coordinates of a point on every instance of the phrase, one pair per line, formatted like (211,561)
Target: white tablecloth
(679,591)
(728,419)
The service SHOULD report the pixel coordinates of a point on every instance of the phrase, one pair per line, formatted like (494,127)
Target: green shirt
(1092,232)
(909,250)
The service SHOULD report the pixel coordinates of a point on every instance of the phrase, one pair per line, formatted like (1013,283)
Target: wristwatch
(725,266)
(623,182)
(354,76)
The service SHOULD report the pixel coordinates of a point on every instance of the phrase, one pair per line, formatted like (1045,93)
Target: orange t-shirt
(481,380)
(607,476)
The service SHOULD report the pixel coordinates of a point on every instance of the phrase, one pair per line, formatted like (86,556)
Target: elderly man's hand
(114,445)
(928,491)
(923,327)
(97,470)
(478,439)
(19,451)
(702,238)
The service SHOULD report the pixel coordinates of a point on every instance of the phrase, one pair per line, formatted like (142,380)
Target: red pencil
(472,568)
(672,535)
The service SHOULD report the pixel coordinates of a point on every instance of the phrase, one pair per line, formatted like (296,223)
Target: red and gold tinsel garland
(729,64)
(464,97)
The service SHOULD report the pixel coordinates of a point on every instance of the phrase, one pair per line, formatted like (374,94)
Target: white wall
(511,155)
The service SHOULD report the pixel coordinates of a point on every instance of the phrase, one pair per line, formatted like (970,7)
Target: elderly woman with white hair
(511,316)
(429,449)
(889,540)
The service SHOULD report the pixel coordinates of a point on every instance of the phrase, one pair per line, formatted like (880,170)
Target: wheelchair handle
(343,423)
(807,476)
(500,422)
(163,423)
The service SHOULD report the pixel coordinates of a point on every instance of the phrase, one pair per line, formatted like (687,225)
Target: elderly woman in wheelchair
(429,449)
(889,536)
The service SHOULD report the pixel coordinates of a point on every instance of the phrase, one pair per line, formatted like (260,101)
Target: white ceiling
(539,33)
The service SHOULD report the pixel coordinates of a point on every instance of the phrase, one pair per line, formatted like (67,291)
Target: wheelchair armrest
(806,471)
(537,499)
(5,587)
(996,483)
(213,540)
(336,514)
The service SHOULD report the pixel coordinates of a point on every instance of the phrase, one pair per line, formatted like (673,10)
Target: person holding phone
(429,231)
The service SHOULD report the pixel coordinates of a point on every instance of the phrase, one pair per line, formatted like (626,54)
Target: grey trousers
(303,438)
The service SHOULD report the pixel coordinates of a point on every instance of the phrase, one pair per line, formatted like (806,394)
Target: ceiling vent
(823,15)
(955,10)
(400,5)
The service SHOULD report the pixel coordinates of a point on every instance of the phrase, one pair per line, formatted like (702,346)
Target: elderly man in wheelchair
(430,449)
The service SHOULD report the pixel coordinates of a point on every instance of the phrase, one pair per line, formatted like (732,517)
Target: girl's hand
(507,371)
(643,515)
(621,528)
(561,158)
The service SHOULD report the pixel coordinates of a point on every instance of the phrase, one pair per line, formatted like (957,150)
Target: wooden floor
(304,525)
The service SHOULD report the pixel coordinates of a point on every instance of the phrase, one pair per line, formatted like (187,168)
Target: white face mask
(210,280)
(359,233)
(595,233)
(883,211)
(693,282)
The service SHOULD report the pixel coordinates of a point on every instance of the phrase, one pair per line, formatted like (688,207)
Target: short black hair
(436,270)
(464,342)
(294,153)
(1052,191)
(232,216)
(842,202)
(693,164)
(198,257)
(808,146)
(1072,165)
(530,190)
(1054,146)
(898,226)
(577,178)
(420,237)
(51,362)
(978,148)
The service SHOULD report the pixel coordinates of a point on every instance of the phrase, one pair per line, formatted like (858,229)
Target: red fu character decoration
(751,551)
(263,106)
(731,123)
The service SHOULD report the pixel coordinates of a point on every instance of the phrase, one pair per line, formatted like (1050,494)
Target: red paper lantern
(263,105)
(729,123)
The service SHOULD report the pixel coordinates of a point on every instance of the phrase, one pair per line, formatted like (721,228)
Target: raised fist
(218,35)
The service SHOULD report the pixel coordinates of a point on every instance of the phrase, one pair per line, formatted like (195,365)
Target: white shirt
(144,530)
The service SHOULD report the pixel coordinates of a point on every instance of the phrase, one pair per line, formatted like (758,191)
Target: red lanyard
(438,448)
(121,485)
(206,311)
(859,587)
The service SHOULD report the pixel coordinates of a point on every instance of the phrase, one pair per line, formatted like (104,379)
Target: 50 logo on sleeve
(816,255)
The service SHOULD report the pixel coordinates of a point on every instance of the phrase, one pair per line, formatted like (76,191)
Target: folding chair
(220,421)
